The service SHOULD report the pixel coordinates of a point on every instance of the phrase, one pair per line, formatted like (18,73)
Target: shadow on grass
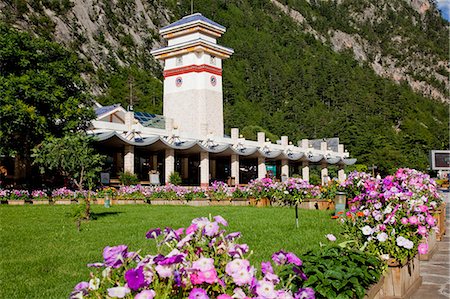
(97,215)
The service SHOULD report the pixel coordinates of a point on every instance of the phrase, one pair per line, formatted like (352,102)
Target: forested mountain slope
(374,73)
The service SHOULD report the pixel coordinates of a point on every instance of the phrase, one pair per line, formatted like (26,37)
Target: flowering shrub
(39,195)
(110,192)
(171,192)
(299,190)
(200,261)
(130,192)
(239,192)
(18,194)
(4,194)
(220,190)
(62,193)
(329,191)
(354,184)
(261,188)
(393,215)
(195,193)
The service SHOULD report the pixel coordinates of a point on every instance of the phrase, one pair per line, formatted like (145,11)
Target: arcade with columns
(189,136)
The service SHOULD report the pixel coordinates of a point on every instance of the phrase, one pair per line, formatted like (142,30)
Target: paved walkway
(436,272)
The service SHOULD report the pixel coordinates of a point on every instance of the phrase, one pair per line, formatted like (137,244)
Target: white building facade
(189,138)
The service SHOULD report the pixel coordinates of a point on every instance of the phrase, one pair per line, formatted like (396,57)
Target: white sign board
(440,160)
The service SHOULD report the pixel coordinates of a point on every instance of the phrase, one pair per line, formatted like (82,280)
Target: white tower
(193,75)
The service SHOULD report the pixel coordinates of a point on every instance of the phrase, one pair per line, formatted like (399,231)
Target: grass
(44,256)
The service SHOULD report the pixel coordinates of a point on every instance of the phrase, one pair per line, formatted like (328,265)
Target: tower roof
(191,21)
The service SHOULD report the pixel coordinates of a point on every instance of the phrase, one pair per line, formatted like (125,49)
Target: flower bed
(392,218)
(200,261)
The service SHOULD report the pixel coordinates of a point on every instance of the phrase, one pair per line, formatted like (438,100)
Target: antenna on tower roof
(192,7)
(130,106)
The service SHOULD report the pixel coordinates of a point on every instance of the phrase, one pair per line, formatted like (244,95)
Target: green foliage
(41,92)
(297,86)
(128,178)
(336,272)
(44,257)
(315,179)
(146,90)
(175,178)
(356,167)
(71,156)
(251,132)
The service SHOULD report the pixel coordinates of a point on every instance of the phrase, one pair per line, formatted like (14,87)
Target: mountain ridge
(318,78)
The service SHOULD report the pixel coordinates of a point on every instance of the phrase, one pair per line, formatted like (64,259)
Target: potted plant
(4,196)
(239,196)
(106,194)
(391,221)
(196,196)
(62,196)
(260,191)
(39,197)
(18,197)
(219,193)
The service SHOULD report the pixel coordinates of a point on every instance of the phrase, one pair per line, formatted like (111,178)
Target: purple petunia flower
(153,233)
(232,236)
(266,267)
(146,294)
(279,257)
(293,259)
(114,256)
(198,293)
(221,220)
(306,293)
(175,259)
(135,278)
(81,286)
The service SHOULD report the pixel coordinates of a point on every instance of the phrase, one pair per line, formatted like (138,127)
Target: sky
(444,7)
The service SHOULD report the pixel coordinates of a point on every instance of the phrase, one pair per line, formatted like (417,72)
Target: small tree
(73,157)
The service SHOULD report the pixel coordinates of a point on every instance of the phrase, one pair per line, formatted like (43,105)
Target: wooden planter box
(158,201)
(16,202)
(200,202)
(40,202)
(223,202)
(263,202)
(439,215)
(324,205)
(402,281)
(239,202)
(63,202)
(432,246)
(140,201)
(376,291)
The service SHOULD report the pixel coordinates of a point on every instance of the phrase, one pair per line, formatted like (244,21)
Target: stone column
(341,174)
(184,168)
(305,170)
(212,163)
(324,174)
(285,167)
(128,161)
(204,169)
(261,167)
(235,168)
(155,162)
(169,161)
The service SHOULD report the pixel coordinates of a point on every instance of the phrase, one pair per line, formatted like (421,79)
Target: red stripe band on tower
(193,69)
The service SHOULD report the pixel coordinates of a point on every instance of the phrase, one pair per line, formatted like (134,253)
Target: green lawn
(42,255)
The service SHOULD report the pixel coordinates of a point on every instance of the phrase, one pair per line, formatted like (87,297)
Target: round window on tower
(178,81)
(213,80)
